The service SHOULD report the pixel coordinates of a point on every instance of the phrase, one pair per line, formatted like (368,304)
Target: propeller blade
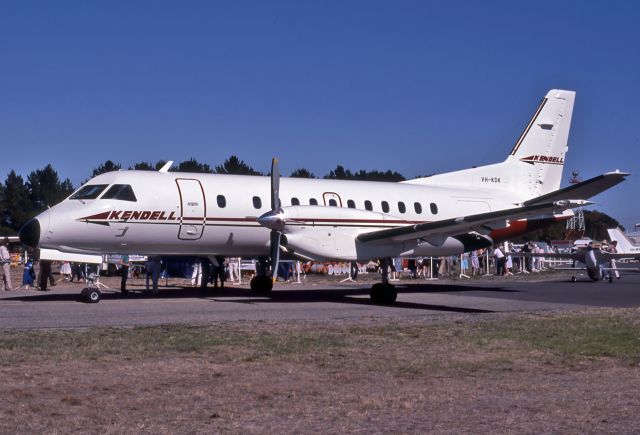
(275,253)
(275,185)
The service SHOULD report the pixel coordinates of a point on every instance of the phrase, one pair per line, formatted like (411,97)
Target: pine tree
(45,188)
(302,173)
(16,207)
(233,165)
(192,165)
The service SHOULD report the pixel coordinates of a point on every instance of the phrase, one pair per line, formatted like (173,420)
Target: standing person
(45,271)
(475,263)
(526,249)
(499,256)
(5,259)
(508,263)
(234,270)
(196,274)
(354,270)
(442,266)
(65,270)
(28,276)
(411,265)
(613,249)
(206,273)
(154,268)
(464,263)
(125,263)
(77,272)
(52,279)
(218,271)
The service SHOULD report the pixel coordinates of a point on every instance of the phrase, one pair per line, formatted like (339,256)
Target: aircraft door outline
(328,196)
(193,209)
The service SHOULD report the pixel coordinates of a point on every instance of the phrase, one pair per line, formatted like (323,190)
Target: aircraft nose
(30,233)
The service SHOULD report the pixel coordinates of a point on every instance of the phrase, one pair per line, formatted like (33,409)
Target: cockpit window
(90,191)
(123,192)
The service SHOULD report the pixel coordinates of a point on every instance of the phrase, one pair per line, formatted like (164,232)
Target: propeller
(274,219)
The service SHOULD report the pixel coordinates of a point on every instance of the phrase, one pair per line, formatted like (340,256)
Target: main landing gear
(262,283)
(383,293)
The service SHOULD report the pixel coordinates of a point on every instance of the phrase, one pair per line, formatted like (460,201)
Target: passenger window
(295,201)
(434,208)
(333,203)
(401,207)
(257,202)
(351,203)
(313,201)
(367,205)
(222,201)
(123,192)
(385,206)
(418,207)
(90,191)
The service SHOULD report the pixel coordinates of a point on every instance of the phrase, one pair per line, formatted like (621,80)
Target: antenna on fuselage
(166,166)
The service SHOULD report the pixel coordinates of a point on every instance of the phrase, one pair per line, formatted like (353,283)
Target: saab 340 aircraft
(207,215)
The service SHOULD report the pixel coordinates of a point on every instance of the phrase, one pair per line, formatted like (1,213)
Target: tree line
(21,199)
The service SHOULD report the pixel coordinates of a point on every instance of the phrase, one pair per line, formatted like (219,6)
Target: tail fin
(542,146)
(534,166)
(624,244)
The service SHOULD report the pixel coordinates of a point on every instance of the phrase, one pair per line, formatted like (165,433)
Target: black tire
(261,285)
(83,295)
(93,296)
(383,294)
(573,279)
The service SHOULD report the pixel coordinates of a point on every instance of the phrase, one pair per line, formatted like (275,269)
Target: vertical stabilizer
(538,156)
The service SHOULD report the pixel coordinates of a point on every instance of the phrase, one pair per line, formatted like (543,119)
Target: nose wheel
(90,295)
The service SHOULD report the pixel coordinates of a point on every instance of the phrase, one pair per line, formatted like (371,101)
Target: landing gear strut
(383,293)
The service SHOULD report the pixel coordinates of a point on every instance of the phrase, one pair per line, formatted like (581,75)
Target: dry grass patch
(552,373)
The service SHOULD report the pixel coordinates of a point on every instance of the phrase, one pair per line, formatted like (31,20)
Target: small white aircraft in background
(207,215)
(598,263)
(624,244)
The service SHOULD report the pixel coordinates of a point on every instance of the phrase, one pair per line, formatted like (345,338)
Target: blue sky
(417,87)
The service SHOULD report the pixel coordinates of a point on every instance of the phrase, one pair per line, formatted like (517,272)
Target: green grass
(402,348)
(608,336)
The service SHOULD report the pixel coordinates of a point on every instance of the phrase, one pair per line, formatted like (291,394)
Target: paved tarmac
(315,300)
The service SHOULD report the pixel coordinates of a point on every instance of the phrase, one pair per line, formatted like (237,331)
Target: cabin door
(332,199)
(193,209)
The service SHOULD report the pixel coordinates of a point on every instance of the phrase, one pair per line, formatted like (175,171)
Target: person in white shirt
(234,270)
(5,259)
(499,256)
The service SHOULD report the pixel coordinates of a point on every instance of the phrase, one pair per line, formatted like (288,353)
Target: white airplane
(171,213)
(592,259)
(625,246)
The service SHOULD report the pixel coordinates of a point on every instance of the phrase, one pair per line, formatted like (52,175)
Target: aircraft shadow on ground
(346,295)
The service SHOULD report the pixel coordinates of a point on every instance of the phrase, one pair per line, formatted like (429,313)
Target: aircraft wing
(585,189)
(483,222)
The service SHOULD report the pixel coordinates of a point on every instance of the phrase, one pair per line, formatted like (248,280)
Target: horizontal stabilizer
(464,224)
(583,190)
